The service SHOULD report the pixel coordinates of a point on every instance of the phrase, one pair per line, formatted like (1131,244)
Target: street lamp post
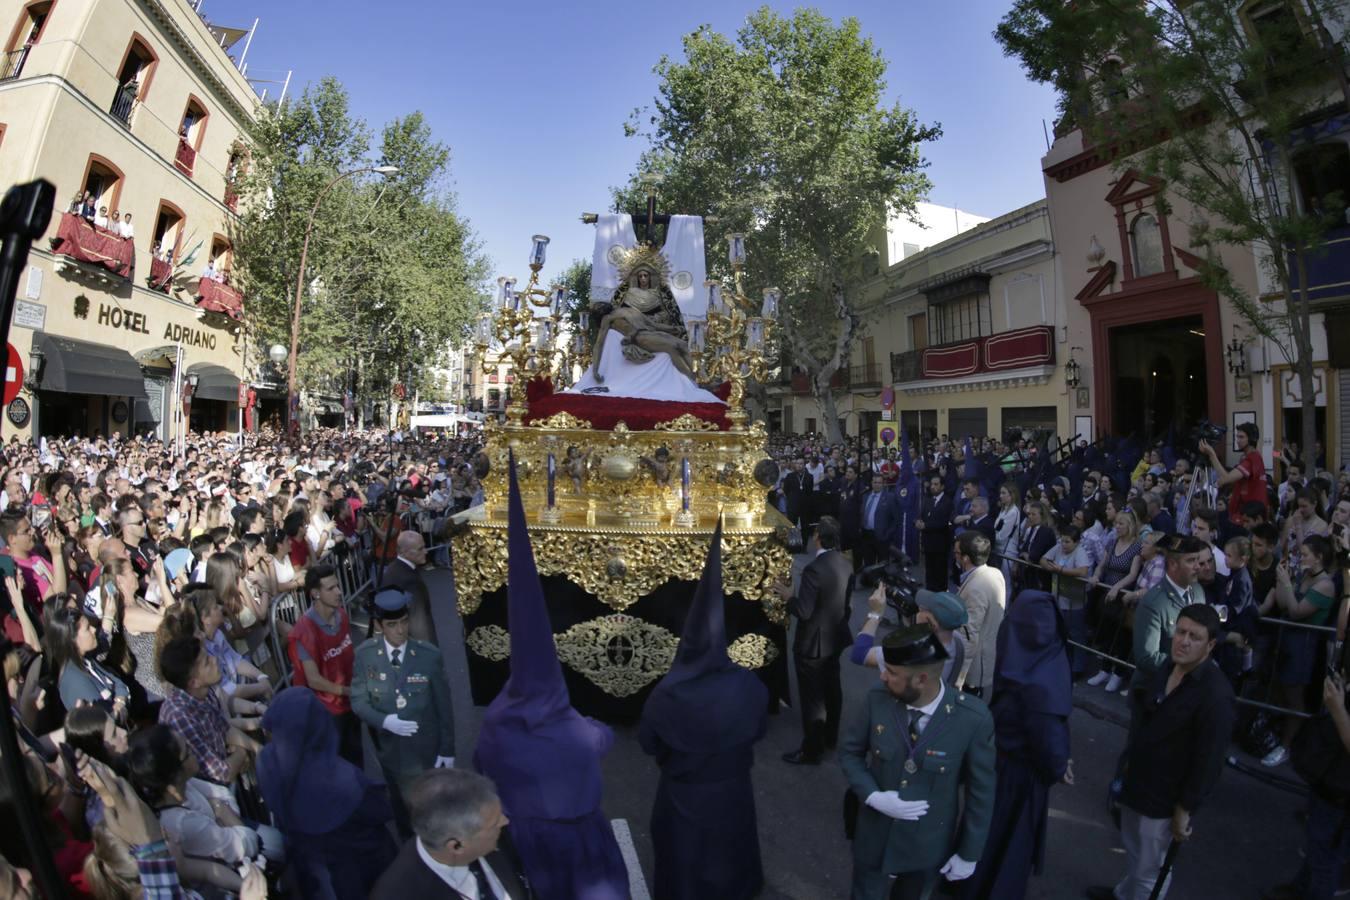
(292,402)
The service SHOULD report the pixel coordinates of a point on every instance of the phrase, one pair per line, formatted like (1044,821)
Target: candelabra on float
(529,340)
(731,345)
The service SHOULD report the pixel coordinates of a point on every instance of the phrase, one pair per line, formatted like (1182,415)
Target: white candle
(540,243)
(736,249)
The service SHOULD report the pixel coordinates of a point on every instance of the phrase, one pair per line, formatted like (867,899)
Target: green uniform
(1154,621)
(955,751)
(415,690)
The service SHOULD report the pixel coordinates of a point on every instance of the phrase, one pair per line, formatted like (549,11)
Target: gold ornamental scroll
(620,566)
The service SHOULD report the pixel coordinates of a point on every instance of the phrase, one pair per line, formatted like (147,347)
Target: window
(26,33)
(133,80)
(168,231)
(1276,26)
(190,133)
(1146,245)
(1024,301)
(1323,175)
(810,426)
(910,250)
(962,319)
(918,331)
(222,257)
(103,182)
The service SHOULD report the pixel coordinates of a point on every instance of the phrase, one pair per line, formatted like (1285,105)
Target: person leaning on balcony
(101,220)
(124,227)
(86,209)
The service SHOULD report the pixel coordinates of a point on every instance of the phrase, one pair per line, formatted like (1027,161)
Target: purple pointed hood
(706,703)
(543,755)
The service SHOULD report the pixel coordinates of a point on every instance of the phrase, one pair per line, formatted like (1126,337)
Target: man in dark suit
(935,534)
(850,510)
(878,523)
(797,489)
(458,819)
(821,605)
(403,574)
(980,520)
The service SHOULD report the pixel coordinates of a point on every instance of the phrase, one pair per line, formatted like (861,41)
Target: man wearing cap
(1156,617)
(944,612)
(399,690)
(907,755)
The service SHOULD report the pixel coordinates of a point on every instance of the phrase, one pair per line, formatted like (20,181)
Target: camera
(901,587)
(1205,430)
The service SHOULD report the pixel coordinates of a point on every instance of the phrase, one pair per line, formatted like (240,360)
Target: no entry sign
(13,374)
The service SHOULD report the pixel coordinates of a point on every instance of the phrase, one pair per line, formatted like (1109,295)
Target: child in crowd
(1068,560)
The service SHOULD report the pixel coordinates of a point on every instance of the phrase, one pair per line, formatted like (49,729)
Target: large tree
(1213,104)
(784,133)
(395,275)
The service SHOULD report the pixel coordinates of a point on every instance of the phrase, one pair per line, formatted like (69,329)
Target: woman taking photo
(245,613)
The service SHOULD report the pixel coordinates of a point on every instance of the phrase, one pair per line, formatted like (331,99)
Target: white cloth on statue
(613,233)
(688,265)
(656,379)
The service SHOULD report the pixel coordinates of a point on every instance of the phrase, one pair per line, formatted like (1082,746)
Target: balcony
(161,274)
(867,375)
(906,366)
(978,360)
(801,382)
(11,63)
(1328,267)
(82,241)
(220,297)
(124,103)
(231,199)
(185,158)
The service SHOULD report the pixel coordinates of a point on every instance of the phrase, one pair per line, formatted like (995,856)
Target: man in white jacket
(985,594)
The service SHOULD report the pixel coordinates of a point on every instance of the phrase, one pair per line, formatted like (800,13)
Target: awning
(79,367)
(217,382)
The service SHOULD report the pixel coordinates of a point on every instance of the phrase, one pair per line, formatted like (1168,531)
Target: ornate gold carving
(490,642)
(686,422)
(753,651)
(562,421)
(643,256)
(619,653)
(620,566)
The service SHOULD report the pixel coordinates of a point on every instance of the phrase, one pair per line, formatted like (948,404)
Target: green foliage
(394,274)
(1192,93)
(783,134)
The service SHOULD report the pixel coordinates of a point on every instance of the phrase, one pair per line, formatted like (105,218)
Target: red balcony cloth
(186,157)
(161,273)
(80,240)
(605,412)
(216,296)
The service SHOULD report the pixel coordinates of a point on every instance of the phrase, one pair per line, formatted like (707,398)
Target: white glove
(401,727)
(957,869)
(444,762)
(889,803)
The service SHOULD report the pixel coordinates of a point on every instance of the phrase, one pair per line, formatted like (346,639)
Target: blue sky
(531,97)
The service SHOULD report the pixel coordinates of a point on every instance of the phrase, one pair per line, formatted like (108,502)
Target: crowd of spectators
(1124,538)
(138,594)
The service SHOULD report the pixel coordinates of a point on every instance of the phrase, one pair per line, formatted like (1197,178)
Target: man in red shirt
(1248,477)
(321,652)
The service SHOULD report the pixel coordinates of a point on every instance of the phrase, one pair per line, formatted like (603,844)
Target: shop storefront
(84,388)
(215,402)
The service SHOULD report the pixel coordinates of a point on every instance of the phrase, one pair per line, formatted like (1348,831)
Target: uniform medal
(400,701)
(911,766)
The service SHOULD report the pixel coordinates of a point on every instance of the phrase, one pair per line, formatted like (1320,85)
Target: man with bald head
(404,573)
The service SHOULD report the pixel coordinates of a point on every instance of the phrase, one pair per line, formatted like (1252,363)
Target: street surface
(1246,840)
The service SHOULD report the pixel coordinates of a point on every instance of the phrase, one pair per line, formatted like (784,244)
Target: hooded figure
(1033,697)
(701,723)
(542,754)
(335,820)
(909,491)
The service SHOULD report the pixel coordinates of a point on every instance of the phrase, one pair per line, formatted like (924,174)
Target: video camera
(901,587)
(1205,430)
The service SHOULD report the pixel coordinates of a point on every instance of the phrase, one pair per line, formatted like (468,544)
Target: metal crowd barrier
(288,608)
(1256,681)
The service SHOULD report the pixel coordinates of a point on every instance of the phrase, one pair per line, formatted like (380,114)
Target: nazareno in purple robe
(544,756)
(701,723)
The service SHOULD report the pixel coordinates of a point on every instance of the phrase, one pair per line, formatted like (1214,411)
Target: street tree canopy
(394,274)
(783,132)
(1212,99)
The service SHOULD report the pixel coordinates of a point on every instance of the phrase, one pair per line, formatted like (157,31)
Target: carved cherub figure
(659,466)
(576,467)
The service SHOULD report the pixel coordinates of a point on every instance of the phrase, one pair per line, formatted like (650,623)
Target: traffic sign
(13,374)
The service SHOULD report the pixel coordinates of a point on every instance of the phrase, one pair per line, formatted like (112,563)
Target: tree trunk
(1304,366)
(825,400)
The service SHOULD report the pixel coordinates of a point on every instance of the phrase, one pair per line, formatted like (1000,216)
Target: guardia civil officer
(399,690)
(906,754)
